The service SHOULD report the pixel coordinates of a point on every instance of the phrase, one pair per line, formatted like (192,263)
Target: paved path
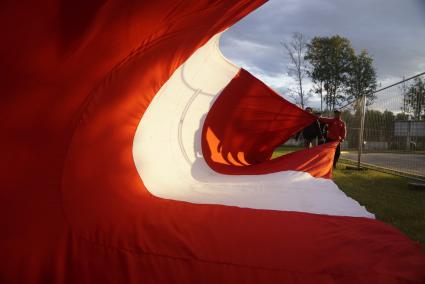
(407,163)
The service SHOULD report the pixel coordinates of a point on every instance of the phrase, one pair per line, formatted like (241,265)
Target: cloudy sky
(392,31)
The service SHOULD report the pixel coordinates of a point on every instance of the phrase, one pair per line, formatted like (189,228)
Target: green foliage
(379,126)
(330,58)
(402,116)
(414,100)
(362,78)
(337,70)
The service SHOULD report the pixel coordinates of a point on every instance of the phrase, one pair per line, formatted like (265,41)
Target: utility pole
(361,130)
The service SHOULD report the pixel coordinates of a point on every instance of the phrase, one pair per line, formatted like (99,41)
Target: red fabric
(258,120)
(77,77)
(336,128)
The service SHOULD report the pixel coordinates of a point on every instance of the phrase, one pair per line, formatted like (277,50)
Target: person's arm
(343,131)
(325,119)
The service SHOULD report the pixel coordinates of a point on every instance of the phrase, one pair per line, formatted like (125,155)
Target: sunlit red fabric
(77,77)
(246,124)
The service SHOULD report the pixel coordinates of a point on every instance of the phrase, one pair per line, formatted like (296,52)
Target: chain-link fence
(388,132)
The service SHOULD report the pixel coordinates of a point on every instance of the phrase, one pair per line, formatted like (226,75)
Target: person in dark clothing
(311,132)
(323,130)
(336,132)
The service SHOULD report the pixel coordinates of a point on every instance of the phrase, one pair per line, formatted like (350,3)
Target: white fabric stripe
(168,155)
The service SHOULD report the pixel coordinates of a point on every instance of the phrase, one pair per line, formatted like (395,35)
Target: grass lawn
(385,195)
(285,150)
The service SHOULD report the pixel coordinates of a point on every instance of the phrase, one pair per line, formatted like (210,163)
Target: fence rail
(392,135)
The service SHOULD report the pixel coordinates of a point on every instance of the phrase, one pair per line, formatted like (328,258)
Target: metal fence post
(361,130)
(388,130)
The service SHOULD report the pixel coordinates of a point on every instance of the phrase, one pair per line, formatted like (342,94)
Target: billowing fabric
(77,78)
(246,124)
(190,107)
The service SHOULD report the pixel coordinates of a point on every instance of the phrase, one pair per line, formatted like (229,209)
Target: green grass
(388,197)
(385,195)
(284,150)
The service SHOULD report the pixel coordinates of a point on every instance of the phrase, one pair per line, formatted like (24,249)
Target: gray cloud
(392,31)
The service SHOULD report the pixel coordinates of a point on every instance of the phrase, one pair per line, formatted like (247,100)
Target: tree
(404,89)
(297,69)
(330,59)
(351,120)
(402,116)
(388,118)
(414,99)
(361,78)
